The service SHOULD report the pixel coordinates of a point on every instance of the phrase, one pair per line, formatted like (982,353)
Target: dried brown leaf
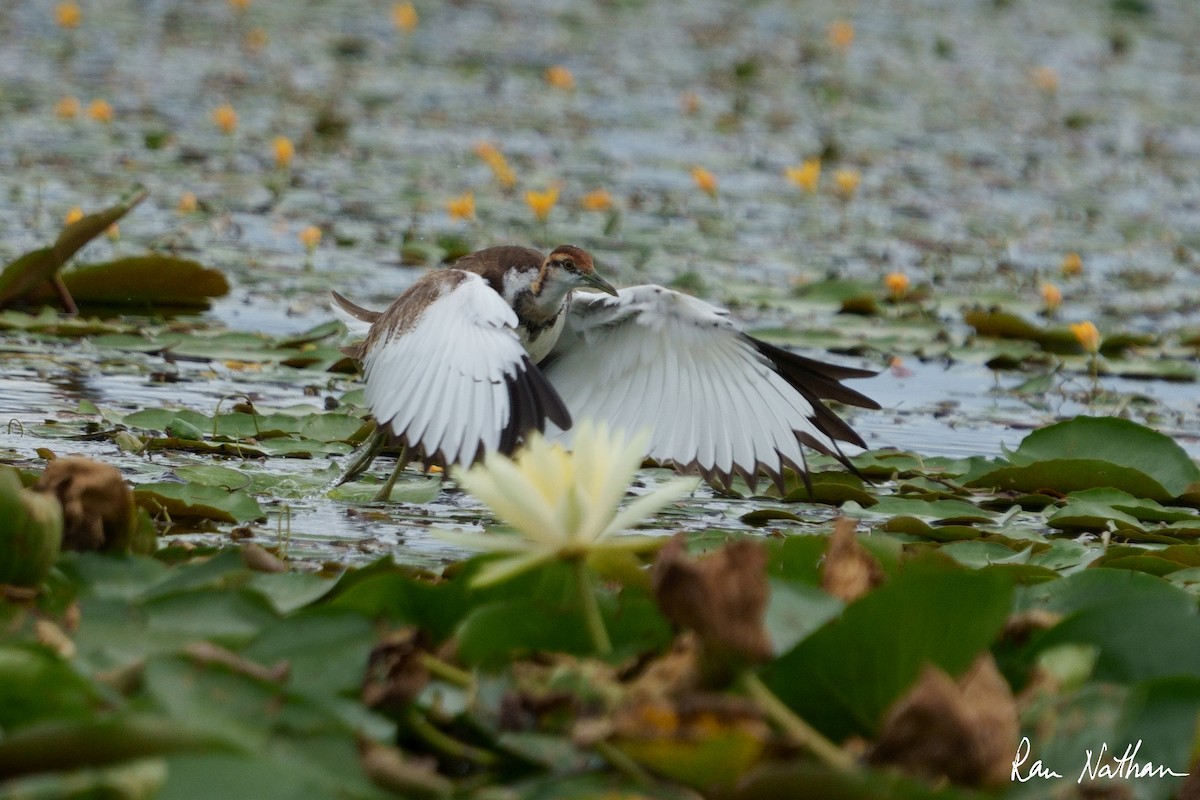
(966,731)
(849,571)
(97,504)
(722,596)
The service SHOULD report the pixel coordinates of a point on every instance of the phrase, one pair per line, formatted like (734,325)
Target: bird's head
(572,266)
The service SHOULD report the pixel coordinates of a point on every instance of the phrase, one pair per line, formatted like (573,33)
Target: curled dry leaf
(395,673)
(849,571)
(722,597)
(260,559)
(966,731)
(97,504)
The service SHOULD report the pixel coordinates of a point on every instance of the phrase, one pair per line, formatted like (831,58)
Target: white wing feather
(657,360)
(442,383)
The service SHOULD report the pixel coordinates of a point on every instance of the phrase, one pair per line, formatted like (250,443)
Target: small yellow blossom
(225,118)
(840,34)
(705,181)
(74,215)
(68,14)
(405,17)
(1087,335)
(67,108)
(310,237)
(100,111)
(1052,296)
(540,203)
(807,175)
(462,207)
(560,77)
(284,151)
(1044,79)
(897,284)
(187,203)
(690,103)
(499,165)
(1072,265)
(845,182)
(255,40)
(113,232)
(597,200)
(239,6)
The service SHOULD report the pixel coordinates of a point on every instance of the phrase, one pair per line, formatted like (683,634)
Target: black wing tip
(532,401)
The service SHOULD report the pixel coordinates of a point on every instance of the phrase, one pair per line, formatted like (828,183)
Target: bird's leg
(364,457)
(385,492)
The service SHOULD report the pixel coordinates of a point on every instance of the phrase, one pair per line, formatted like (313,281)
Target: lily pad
(1092,452)
(197,501)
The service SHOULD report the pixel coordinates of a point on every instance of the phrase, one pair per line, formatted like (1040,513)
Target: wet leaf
(843,677)
(34,269)
(1092,452)
(196,501)
(150,281)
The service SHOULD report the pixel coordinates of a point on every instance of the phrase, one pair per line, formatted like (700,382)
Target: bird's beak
(593,279)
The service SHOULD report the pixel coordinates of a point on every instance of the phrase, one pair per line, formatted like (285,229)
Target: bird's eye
(568,265)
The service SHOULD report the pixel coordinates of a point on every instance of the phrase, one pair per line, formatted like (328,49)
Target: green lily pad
(843,678)
(197,501)
(1090,452)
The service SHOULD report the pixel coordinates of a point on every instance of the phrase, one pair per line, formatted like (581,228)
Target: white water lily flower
(563,503)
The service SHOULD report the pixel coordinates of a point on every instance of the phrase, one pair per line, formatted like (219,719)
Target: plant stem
(797,729)
(448,745)
(591,609)
(447,672)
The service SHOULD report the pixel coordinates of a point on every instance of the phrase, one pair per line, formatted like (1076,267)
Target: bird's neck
(536,296)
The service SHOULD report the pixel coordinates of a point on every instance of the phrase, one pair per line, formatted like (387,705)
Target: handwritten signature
(1098,764)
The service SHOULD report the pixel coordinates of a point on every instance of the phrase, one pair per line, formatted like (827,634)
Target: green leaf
(1143,626)
(1091,452)
(842,678)
(195,501)
(325,648)
(35,268)
(506,629)
(155,281)
(36,685)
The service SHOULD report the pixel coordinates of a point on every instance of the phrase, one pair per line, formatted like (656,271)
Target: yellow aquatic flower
(840,34)
(897,284)
(68,15)
(405,17)
(225,118)
(113,232)
(540,203)
(560,77)
(284,151)
(462,207)
(1052,296)
(596,200)
(806,175)
(705,181)
(187,203)
(845,182)
(74,215)
(1087,335)
(67,108)
(100,111)
(310,237)
(1072,265)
